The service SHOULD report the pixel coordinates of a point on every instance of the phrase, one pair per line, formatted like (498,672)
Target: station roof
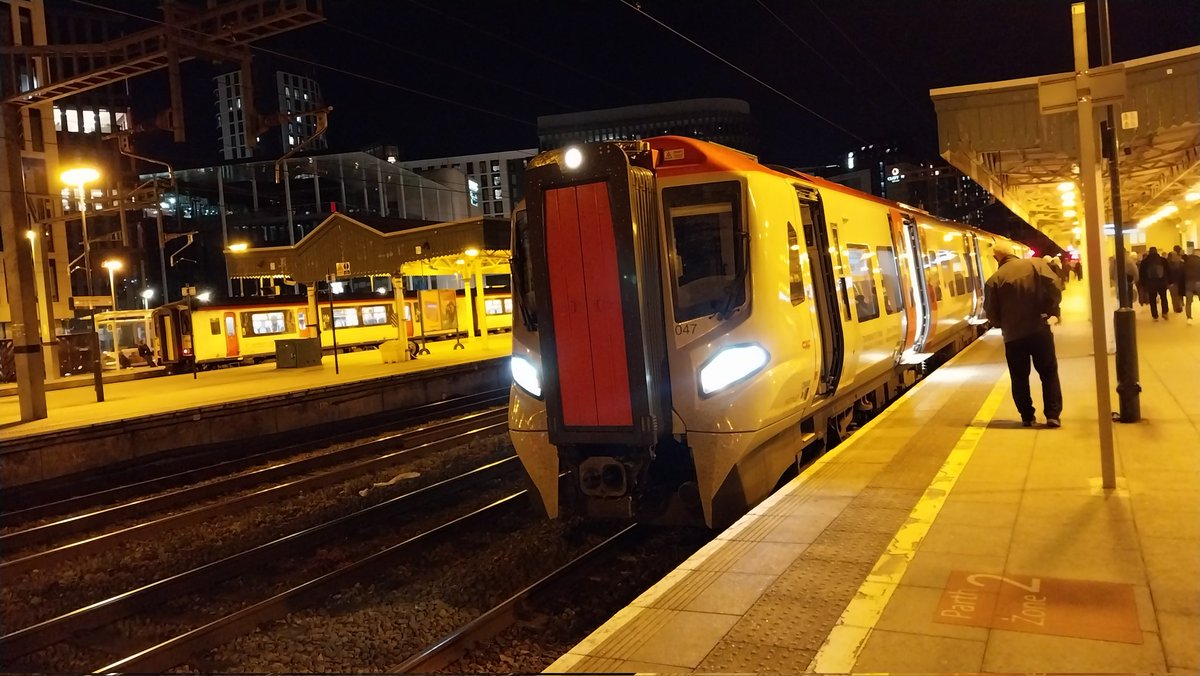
(377,248)
(994,133)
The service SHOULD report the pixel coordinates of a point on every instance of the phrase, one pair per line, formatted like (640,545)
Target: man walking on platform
(1191,280)
(1153,271)
(1019,299)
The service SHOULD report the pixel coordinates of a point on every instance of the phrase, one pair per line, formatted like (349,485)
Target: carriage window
(215,325)
(933,279)
(862,275)
(795,272)
(508,306)
(706,248)
(267,323)
(345,317)
(374,315)
(890,272)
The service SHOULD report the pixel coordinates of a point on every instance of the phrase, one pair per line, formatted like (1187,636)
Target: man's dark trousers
(1038,348)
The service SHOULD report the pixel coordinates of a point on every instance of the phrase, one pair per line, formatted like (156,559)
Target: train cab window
(345,317)
(374,315)
(862,276)
(214,325)
(890,272)
(522,270)
(795,271)
(707,248)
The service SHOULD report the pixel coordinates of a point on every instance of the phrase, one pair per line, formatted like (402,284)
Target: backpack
(1154,269)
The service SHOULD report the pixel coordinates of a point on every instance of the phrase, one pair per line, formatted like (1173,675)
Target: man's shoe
(1027,422)
(1053,422)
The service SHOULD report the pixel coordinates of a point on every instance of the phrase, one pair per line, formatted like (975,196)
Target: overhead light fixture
(1066,186)
(1192,196)
(1069,213)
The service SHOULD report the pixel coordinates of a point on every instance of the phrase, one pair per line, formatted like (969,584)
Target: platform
(944,537)
(142,418)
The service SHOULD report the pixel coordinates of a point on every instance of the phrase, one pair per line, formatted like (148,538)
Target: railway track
(313,472)
(169,653)
(24,505)
(448,650)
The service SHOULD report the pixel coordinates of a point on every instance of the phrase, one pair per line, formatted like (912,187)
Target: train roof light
(573,158)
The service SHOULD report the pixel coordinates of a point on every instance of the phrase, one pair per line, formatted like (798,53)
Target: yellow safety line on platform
(849,636)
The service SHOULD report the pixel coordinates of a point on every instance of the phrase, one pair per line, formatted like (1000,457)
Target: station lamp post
(78,178)
(146,294)
(112,265)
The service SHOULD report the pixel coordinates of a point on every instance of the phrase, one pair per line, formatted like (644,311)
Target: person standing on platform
(1153,271)
(1019,299)
(1191,281)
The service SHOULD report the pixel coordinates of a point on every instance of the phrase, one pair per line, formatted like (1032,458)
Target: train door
(231,337)
(904,274)
(816,243)
(922,312)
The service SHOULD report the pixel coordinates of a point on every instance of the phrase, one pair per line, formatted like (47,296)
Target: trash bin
(293,353)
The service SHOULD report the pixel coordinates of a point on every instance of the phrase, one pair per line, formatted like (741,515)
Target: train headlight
(525,375)
(573,158)
(730,365)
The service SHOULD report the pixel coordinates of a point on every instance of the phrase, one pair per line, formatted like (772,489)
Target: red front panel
(585,294)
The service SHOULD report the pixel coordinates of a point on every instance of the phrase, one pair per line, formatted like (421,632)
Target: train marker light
(525,375)
(573,158)
(731,365)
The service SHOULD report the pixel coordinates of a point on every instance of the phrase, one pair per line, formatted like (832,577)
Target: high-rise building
(494,180)
(289,94)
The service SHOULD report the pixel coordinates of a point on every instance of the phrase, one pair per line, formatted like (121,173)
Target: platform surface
(945,537)
(77,407)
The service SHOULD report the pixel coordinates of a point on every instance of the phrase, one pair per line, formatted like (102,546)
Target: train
(691,325)
(189,333)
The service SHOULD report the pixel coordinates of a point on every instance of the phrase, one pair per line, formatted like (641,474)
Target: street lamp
(78,178)
(147,294)
(112,265)
(238,247)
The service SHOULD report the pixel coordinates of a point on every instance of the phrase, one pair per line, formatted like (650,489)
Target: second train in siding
(688,322)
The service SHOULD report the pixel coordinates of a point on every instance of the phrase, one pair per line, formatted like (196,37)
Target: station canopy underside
(995,133)
(392,247)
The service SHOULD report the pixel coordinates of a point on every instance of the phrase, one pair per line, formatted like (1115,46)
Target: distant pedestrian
(1153,271)
(1056,268)
(1078,265)
(1191,280)
(1175,278)
(1019,299)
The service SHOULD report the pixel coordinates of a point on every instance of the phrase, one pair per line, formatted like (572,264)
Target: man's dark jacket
(1020,296)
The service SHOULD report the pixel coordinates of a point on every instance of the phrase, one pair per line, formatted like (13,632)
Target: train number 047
(685,329)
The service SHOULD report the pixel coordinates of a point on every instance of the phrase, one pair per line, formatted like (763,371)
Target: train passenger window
(215,325)
(862,275)
(890,272)
(266,323)
(933,279)
(374,315)
(345,317)
(795,272)
(493,306)
(707,247)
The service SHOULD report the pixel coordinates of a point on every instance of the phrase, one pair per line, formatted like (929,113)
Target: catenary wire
(368,78)
(725,61)
(924,115)
(816,52)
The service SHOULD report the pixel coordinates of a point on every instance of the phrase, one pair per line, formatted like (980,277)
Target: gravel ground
(375,627)
(43,594)
(550,630)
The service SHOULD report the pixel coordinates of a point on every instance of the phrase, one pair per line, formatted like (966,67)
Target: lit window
(862,274)
(105,121)
(267,323)
(121,120)
(493,306)
(89,121)
(58,118)
(72,120)
(345,317)
(374,315)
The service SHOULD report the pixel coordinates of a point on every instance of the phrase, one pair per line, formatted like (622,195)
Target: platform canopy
(994,133)
(378,246)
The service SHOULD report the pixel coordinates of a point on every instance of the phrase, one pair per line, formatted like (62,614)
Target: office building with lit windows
(288,94)
(494,180)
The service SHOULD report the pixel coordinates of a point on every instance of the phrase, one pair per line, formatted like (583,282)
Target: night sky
(443,78)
